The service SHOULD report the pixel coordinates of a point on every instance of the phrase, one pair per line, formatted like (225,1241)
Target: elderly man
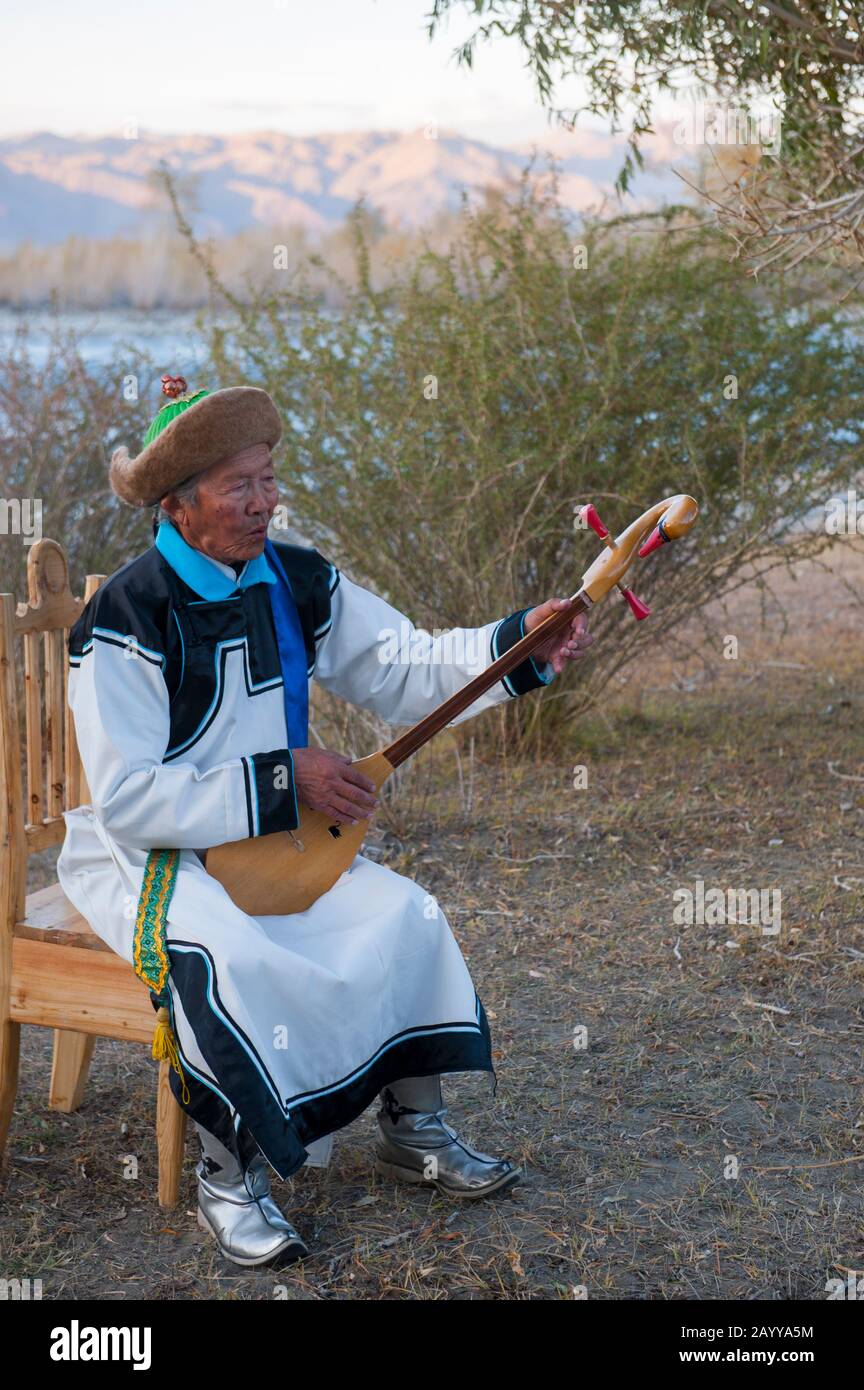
(189,683)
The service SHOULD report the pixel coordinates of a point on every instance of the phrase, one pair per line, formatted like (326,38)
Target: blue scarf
(292,652)
(202,573)
(207,580)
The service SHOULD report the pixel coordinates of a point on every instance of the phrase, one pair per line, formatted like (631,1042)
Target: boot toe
(253,1242)
(245,1221)
(467,1175)
(455,1169)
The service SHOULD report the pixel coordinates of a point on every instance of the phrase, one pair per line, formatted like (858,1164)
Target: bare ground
(704,1044)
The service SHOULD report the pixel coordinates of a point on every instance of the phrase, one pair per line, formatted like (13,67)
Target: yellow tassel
(165,1047)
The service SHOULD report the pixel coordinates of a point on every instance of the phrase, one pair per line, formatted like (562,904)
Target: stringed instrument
(288,871)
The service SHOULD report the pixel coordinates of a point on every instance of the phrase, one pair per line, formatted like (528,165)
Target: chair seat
(89,990)
(49,916)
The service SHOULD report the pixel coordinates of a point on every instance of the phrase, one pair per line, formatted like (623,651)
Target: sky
(89,67)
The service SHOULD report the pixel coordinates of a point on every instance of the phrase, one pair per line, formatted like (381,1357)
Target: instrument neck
(415,737)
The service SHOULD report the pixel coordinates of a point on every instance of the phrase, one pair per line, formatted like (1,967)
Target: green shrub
(442,431)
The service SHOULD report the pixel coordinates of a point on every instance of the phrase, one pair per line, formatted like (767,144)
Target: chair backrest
(54,775)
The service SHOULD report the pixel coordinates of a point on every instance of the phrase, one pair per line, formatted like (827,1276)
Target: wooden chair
(54,970)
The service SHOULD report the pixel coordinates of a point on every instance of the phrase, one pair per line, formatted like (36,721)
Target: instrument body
(271,875)
(288,871)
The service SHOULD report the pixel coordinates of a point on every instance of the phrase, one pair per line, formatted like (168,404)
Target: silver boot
(238,1210)
(415,1145)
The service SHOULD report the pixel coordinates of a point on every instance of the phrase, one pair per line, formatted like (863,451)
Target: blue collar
(198,571)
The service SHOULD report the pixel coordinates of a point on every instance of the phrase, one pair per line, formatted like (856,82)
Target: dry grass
(703,1043)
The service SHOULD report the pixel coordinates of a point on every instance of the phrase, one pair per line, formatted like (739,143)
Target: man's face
(236,499)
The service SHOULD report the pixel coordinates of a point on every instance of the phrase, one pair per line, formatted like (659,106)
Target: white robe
(291,1021)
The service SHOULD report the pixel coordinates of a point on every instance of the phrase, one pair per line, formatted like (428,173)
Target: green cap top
(173,387)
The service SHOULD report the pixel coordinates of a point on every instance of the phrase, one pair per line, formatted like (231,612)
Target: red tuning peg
(657,538)
(589,515)
(639,609)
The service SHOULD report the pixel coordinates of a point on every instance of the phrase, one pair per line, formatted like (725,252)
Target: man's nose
(262,500)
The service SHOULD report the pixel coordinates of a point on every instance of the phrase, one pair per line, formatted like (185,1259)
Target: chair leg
(170,1138)
(10,1043)
(70,1068)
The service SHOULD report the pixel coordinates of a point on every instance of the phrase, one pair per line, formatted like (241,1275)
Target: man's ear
(170,504)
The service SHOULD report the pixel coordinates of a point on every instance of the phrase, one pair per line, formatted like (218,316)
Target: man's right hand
(326,781)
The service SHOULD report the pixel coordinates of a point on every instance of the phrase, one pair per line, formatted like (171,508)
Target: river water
(110,336)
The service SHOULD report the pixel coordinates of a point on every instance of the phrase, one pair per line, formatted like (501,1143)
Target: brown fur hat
(211,429)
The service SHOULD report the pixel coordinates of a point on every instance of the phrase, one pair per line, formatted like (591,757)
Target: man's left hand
(569,644)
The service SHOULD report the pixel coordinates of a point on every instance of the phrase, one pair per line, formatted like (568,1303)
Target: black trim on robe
(146,608)
(526,676)
(148,602)
(418,1052)
(277,804)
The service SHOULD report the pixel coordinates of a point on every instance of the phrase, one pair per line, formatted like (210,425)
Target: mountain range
(56,186)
